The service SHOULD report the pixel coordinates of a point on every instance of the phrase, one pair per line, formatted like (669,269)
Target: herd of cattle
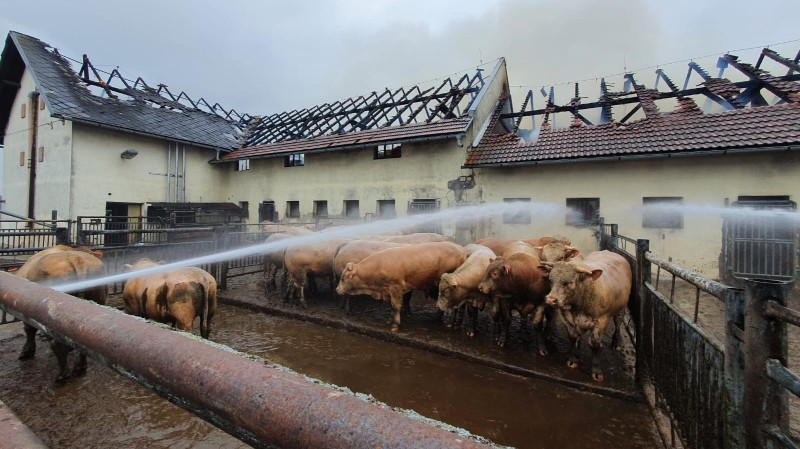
(544,279)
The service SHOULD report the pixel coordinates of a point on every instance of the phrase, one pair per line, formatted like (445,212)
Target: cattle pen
(708,388)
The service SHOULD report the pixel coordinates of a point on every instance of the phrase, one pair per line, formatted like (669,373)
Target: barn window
(22,110)
(243,164)
(387,151)
(320,209)
(520,216)
(295,160)
(351,209)
(386,209)
(293,209)
(267,212)
(662,212)
(583,211)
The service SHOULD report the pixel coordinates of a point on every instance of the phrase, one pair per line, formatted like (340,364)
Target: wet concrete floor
(104,410)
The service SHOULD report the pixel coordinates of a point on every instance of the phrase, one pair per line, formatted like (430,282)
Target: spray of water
(722,212)
(467,213)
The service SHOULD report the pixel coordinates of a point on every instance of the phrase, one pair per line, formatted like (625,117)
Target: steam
(468,213)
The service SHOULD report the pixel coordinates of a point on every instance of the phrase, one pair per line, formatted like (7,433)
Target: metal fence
(728,392)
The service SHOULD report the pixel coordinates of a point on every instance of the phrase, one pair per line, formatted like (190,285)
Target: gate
(425,207)
(761,246)
(727,392)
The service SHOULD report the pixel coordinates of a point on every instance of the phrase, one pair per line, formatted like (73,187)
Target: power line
(38,126)
(595,78)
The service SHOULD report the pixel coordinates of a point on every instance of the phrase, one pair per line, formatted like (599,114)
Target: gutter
(458,136)
(622,158)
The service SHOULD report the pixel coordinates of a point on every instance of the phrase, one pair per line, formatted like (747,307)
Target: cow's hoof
(572,364)
(598,377)
(501,344)
(543,352)
(394,328)
(26,355)
(470,333)
(449,325)
(61,379)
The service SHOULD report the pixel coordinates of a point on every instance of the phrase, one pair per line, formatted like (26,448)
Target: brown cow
(387,274)
(460,288)
(594,290)
(62,264)
(499,245)
(516,283)
(273,263)
(556,251)
(176,296)
(356,251)
(309,260)
(416,238)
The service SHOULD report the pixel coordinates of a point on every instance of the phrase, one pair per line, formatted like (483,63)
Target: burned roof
(390,116)
(749,121)
(124,105)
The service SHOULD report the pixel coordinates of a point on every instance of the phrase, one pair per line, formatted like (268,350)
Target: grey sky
(267,56)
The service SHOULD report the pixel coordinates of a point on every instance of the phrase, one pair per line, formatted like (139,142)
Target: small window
(267,212)
(295,160)
(21,158)
(583,211)
(243,164)
(521,216)
(321,209)
(293,209)
(23,108)
(662,212)
(40,154)
(351,209)
(386,209)
(388,151)
(245,205)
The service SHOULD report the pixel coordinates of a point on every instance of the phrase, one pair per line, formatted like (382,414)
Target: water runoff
(463,214)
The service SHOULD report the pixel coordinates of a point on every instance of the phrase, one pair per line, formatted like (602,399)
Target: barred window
(517,217)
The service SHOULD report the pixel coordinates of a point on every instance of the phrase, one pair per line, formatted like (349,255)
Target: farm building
(82,143)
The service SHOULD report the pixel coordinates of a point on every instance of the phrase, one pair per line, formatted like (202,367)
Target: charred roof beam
(646,96)
(782,89)
(605,100)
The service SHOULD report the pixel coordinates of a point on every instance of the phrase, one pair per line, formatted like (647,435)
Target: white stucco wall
(101,175)
(54,137)
(701,181)
(421,172)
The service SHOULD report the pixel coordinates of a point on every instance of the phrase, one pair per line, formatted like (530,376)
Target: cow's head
(495,272)
(567,281)
(346,280)
(448,286)
(556,251)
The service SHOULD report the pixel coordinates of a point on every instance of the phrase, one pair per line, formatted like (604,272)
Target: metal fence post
(62,236)
(765,402)
(614,241)
(221,244)
(642,275)
(734,369)
(601,237)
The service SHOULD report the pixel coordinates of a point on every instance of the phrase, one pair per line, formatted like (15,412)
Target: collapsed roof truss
(450,99)
(726,93)
(141,91)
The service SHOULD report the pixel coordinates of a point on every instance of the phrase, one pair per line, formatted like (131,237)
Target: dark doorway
(116,219)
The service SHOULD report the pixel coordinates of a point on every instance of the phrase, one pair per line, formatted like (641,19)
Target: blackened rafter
(449,99)
(721,90)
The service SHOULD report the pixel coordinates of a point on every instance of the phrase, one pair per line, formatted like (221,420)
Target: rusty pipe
(15,433)
(257,402)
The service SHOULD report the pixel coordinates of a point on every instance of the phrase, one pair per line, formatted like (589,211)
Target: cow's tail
(204,320)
